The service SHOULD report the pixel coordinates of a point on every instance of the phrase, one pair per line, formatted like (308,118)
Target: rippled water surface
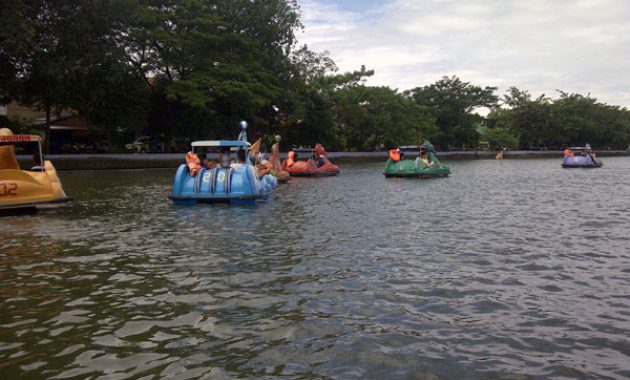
(514,269)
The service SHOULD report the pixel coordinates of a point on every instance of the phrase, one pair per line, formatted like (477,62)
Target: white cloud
(536,45)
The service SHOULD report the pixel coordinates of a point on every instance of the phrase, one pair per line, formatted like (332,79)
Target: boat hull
(414,169)
(314,173)
(31,189)
(587,162)
(416,175)
(308,168)
(39,205)
(238,184)
(283,177)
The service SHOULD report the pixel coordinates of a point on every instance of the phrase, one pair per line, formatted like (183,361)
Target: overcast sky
(577,46)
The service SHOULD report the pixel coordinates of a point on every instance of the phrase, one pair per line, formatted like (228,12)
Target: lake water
(510,270)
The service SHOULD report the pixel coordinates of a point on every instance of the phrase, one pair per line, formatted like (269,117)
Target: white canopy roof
(221,143)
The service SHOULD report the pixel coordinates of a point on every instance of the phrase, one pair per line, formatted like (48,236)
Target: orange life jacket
(290,159)
(394,154)
(568,152)
(193,162)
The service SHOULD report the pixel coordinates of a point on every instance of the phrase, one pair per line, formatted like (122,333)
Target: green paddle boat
(415,161)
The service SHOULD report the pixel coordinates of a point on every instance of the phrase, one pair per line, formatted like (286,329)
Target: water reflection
(503,270)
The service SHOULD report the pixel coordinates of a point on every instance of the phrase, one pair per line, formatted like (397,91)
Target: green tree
(453,103)
(500,138)
(56,53)
(223,60)
(532,120)
(307,108)
(379,116)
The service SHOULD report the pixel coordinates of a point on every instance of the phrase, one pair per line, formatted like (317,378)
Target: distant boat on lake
(415,161)
(580,157)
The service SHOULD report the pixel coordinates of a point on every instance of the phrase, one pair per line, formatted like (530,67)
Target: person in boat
(424,155)
(568,152)
(395,154)
(588,151)
(319,155)
(264,167)
(205,162)
(291,158)
(193,162)
(203,158)
(241,156)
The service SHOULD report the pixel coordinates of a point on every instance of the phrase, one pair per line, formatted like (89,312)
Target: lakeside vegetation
(195,68)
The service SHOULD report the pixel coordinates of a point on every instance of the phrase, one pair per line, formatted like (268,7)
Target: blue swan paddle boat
(235,183)
(585,158)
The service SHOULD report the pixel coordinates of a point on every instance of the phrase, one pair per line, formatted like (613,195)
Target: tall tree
(52,50)
(453,102)
(219,58)
(531,119)
(371,117)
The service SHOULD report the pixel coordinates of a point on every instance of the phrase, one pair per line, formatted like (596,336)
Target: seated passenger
(568,152)
(193,162)
(589,152)
(261,159)
(425,160)
(241,156)
(394,154)
(263,167)
(291,158)
(205,162)
(320,161)
(320,152)
(224,156)
(203,158)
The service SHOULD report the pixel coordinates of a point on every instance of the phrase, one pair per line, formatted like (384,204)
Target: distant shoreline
(105,161)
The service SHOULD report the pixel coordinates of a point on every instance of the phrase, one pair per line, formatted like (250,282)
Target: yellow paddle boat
(26,189)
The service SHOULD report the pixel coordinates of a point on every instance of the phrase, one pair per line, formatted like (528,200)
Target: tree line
(195,68)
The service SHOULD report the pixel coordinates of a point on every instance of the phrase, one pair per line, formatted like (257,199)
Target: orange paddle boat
(315,165)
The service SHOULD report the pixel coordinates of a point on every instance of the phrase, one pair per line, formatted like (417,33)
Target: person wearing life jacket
(193,162)
(290,158)
(205,162)
(568,152)
(425,159)
(320,152)
(263,167)
(394,154)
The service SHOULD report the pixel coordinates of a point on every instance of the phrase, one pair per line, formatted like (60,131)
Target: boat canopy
(8,160)
(221,143)
(303,150)
(411,148)
(16,139)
